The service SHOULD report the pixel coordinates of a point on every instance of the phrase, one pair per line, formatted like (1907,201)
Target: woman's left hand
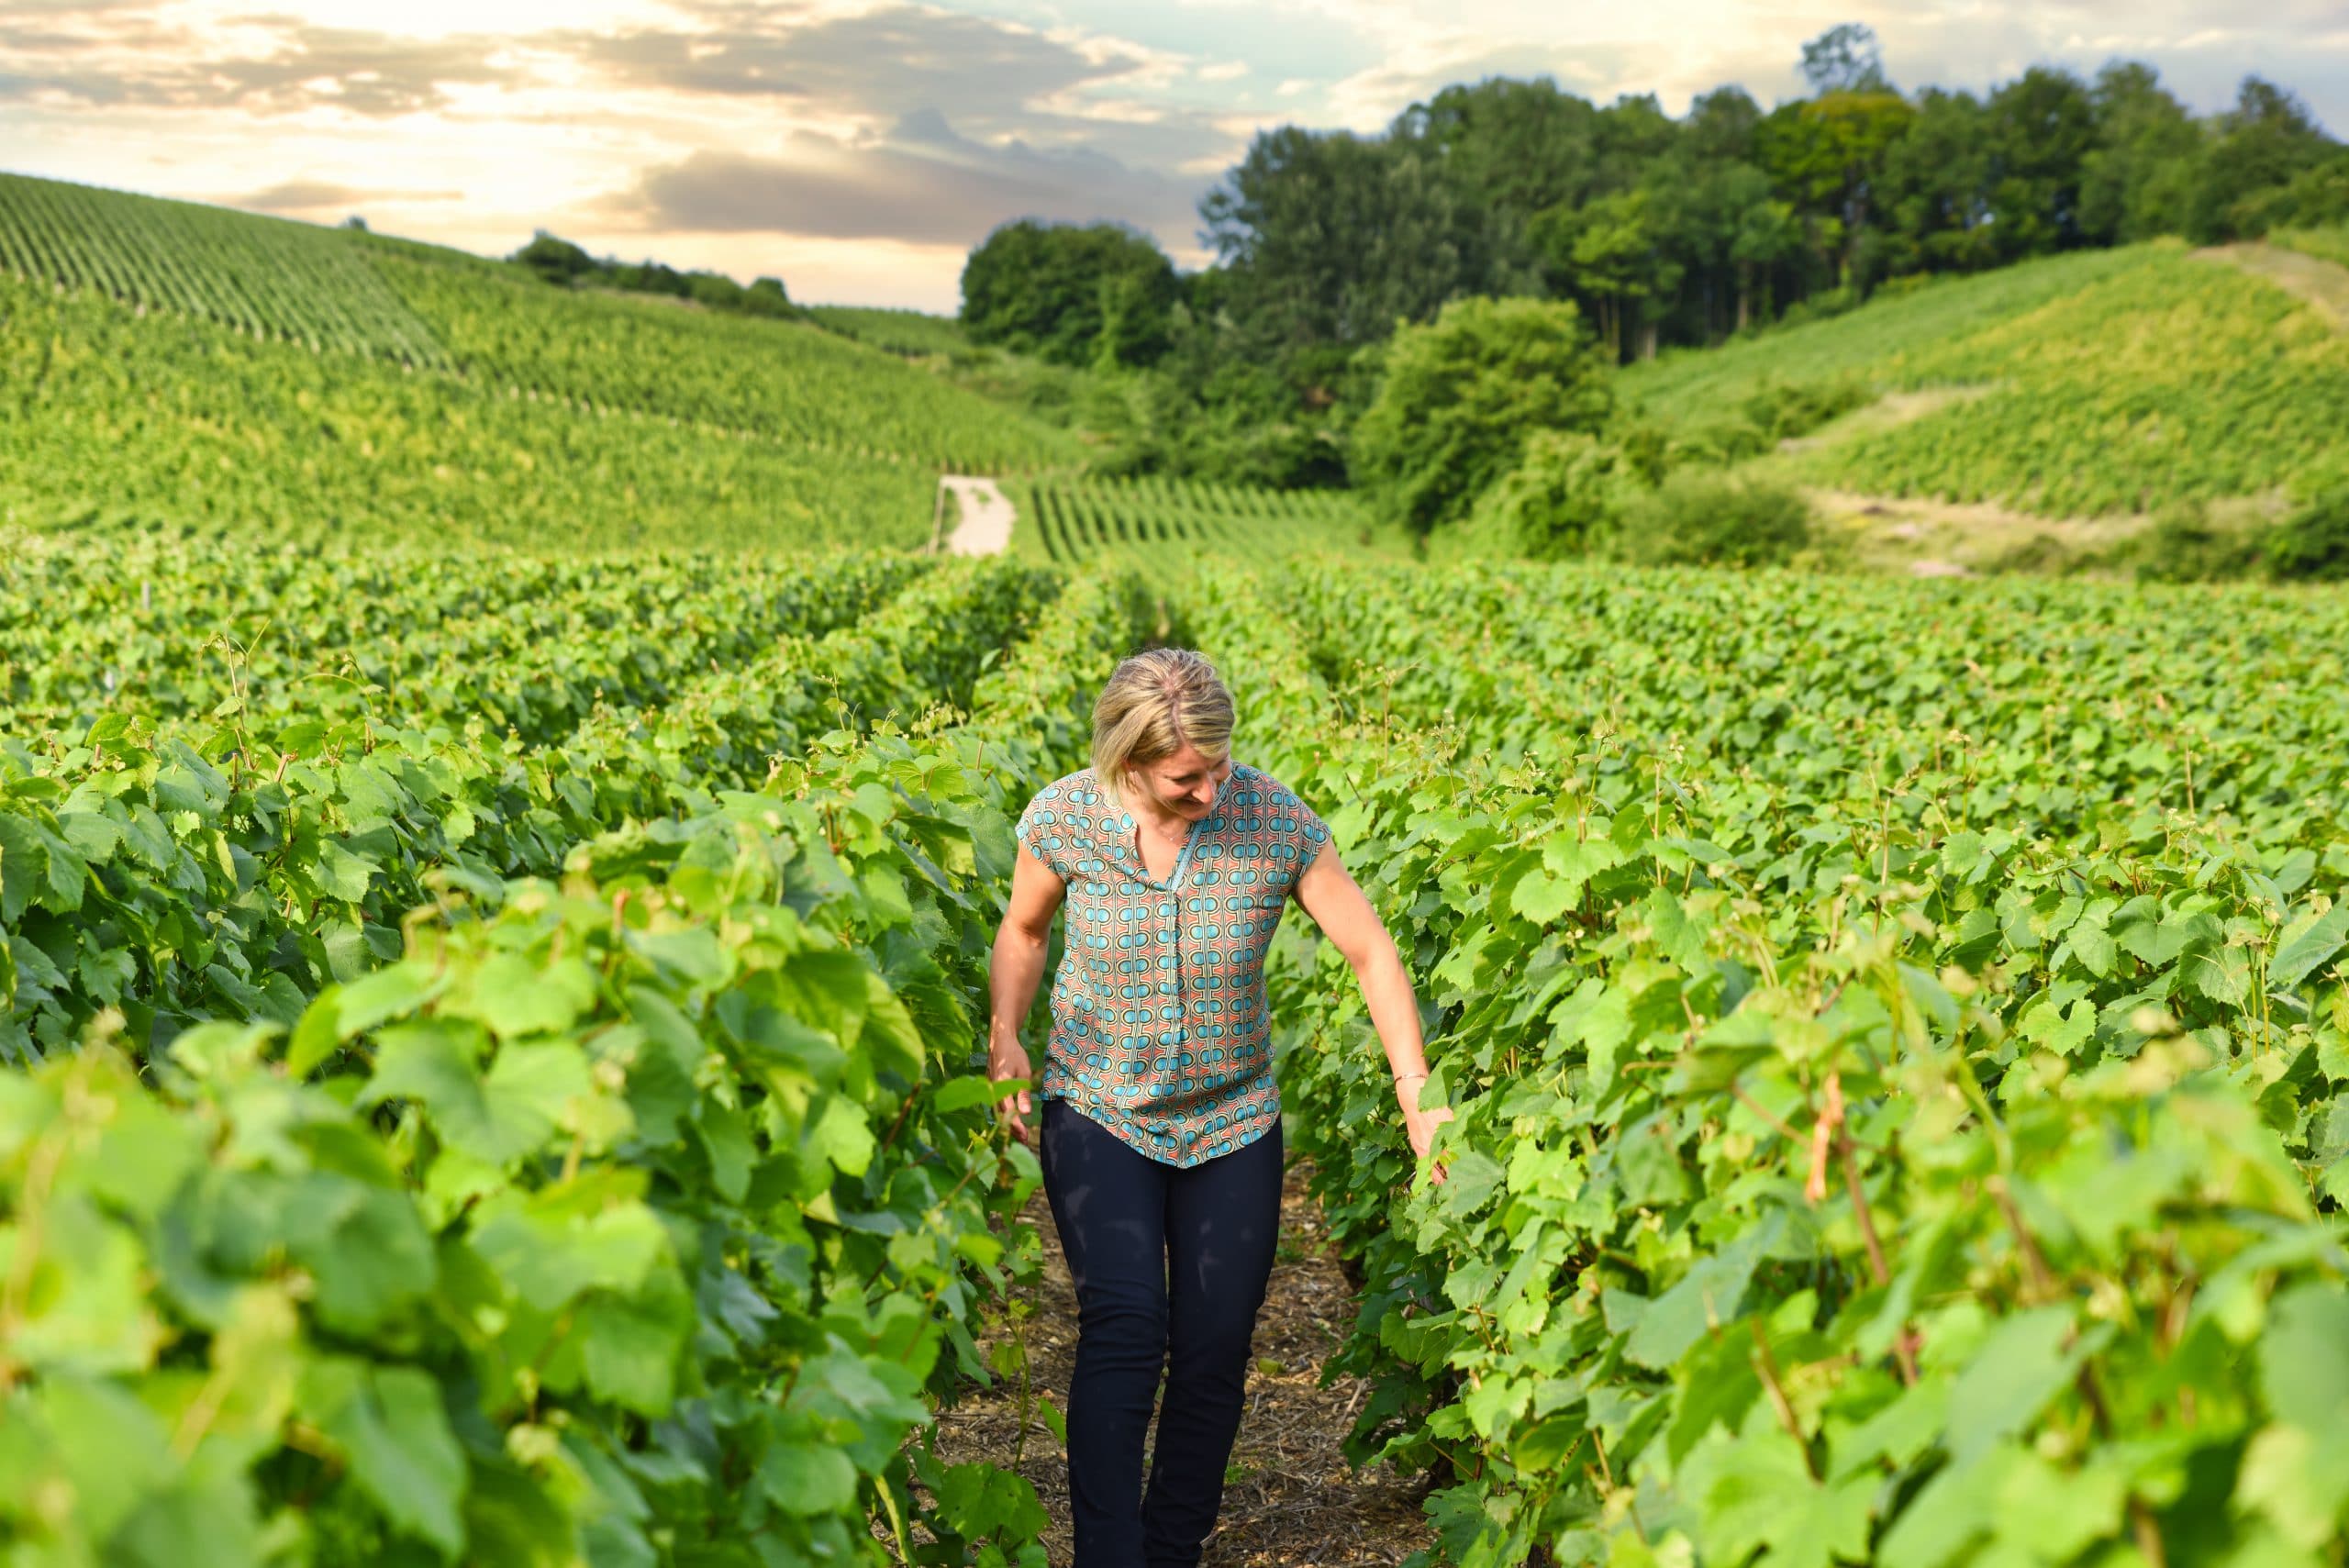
(1419,1126)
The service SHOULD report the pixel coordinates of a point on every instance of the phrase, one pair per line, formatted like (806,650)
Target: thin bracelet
(1398,1077)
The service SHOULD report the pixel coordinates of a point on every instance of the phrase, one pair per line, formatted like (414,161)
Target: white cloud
(906,128)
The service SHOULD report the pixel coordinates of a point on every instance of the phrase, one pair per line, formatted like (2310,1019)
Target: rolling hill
(329,384)
(2097,386)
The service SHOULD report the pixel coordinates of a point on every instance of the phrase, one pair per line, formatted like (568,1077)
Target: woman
(1161,1137)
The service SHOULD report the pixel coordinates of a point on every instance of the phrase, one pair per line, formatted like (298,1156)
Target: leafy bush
(1783,409)
(2183,545)
(1461,394)
(1566,499)
(2313,543)
(1705,518)
(1717,441)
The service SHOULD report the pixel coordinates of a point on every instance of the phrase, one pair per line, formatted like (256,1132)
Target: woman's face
(1185,783)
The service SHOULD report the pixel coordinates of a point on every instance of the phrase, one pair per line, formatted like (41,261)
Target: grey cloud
(368,73)
(313,196)
(922,183)
(994,79)
(897,58)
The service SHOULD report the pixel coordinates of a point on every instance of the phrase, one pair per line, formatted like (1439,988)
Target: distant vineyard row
(417,306)
(1169,520)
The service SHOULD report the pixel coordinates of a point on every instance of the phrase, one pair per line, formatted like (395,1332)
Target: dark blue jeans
(1170,1267)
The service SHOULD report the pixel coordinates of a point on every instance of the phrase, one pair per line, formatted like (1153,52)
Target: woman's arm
(1329,894)
(1014,967)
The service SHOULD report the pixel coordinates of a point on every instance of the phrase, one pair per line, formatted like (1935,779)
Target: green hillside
(913,333)
(2089,385)
(329,384)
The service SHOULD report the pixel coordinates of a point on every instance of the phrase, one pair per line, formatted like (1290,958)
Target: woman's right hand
(1011,1061)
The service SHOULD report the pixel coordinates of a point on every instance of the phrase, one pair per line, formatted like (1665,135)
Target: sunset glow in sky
(860,149)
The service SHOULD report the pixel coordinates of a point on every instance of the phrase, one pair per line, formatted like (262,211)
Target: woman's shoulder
(1259,783)
(1081,788)
(1273,798)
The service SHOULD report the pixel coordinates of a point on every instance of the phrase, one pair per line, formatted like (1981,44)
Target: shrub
(1717,441)
(1783,409)
(1565,499)
(2182,545)
(2312,545)
(1461,395)
(1706,519)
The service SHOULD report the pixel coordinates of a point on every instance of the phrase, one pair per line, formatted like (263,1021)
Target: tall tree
(1074,295)
(1934,191)
(2139,179)
(1844,58)
(1827,152)
(1331,239)
(2042,127)
(2265,143)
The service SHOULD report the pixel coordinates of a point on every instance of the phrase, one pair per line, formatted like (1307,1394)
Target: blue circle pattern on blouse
(1161,1031)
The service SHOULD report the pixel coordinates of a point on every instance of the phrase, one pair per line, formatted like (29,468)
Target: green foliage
(2185,545)
(2158,384)
(646,1210)
(1687,386)
(915,334)
(2118,381)
(266,277)
(565,419)
(1172,522)
(1700,517)
(2330,244)
(346,453)
(2312,544)
(1872,1146)
(554,259)
(558,261)
(784,380)
(1460,397)
(1100,294)
(1781,410)
(1565,499)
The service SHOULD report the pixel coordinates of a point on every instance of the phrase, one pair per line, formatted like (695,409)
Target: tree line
(1663,231)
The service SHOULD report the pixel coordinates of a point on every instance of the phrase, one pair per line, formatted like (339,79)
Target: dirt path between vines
(1291,1497)
(2323,284)
(986,514)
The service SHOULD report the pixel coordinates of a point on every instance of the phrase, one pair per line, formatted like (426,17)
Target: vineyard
(2325,244)
(340,388)
(502,829)
(1167,523)
(269,278)
(2110,381)
(494,1062)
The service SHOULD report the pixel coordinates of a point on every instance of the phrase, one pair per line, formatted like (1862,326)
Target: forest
(1665,232)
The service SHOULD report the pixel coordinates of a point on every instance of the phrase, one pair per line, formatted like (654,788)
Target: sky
(858,149)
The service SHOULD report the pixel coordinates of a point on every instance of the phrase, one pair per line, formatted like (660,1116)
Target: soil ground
(984,517)
(1290,1496)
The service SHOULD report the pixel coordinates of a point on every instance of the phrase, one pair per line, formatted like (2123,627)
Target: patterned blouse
(1161,1031)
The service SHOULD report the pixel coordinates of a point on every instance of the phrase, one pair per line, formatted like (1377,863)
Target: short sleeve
(1300,829)
(1044,827)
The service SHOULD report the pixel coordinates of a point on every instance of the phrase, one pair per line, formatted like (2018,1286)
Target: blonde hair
(1154,704)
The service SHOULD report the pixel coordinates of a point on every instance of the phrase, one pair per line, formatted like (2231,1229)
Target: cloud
(316,196)
(974,69)
(294,67)
(921,183)
(994,79)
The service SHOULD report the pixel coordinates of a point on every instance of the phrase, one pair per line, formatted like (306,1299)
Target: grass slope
(460,398)
(2104,383)
(917,334)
